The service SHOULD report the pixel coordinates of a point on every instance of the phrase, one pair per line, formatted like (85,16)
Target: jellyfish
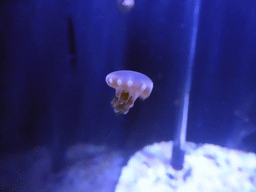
(129,85)
(125,5)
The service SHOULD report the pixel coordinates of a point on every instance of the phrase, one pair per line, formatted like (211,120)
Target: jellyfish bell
(129,85)
(125,5)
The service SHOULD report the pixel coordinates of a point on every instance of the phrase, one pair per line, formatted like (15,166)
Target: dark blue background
(55,54)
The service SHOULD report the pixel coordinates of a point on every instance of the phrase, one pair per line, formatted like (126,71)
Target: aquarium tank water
(127,95)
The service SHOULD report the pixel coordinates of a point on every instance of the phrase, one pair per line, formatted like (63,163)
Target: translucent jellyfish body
(129,85)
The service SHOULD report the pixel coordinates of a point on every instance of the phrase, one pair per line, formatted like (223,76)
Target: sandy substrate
(207,167)
(93,168)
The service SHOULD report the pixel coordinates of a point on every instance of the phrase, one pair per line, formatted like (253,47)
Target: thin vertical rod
(189,74)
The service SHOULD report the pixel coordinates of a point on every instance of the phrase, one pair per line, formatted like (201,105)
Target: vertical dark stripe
(71,40)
